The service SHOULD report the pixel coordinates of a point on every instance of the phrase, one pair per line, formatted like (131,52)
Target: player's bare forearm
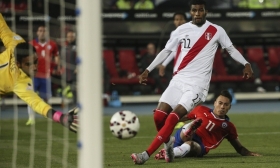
(241,149)
(146,71)
(57,60)
(245,152)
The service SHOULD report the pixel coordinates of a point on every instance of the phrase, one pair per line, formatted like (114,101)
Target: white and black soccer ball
(124,124)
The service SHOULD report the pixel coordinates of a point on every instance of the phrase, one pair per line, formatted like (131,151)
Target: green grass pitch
(258,132)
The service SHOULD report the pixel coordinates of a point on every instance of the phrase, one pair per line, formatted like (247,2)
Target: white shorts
(184,94)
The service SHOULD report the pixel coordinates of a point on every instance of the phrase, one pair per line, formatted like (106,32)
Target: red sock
(159,118)
(164,133)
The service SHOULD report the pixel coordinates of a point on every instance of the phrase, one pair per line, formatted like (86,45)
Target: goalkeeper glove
(69,120)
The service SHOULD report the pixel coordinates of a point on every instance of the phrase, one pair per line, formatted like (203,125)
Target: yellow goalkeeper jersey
(12,78)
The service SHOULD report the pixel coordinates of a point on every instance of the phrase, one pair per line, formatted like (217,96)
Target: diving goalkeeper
(17,67)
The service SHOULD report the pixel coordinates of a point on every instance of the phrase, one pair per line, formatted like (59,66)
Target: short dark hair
(226,94)
(22,51)
(180,13)
(41,25)
(70,30)
(198,2)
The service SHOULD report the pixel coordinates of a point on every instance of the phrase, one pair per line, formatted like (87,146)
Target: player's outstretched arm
(236,55)
(159,59)
(241,149)
(69,120)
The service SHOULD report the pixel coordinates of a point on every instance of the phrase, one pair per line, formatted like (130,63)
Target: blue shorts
(196,138)
(43,86)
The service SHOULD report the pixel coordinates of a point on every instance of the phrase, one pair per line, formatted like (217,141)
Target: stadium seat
(119,83)
(127,60)
(256,55)
(218,65)
(274,56)
(274,61)
(220,71)
(142,51)
(109,58)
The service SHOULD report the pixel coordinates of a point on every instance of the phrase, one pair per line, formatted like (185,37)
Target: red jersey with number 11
(212,130)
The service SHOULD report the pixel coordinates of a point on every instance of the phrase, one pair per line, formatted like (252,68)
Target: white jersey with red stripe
(198,47)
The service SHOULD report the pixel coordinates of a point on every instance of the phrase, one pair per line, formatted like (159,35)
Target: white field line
(138,137)
(259,133)
(253,133)
(59,140)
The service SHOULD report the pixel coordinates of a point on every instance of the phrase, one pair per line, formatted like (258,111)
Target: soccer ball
(124,124)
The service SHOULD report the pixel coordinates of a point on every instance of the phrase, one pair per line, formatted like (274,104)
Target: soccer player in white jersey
(189,86)
(179,18)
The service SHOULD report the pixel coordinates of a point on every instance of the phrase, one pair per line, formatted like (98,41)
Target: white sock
(186,127)
(171,140)
(167,143)
(145,155)
(31,113)
(181,151)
